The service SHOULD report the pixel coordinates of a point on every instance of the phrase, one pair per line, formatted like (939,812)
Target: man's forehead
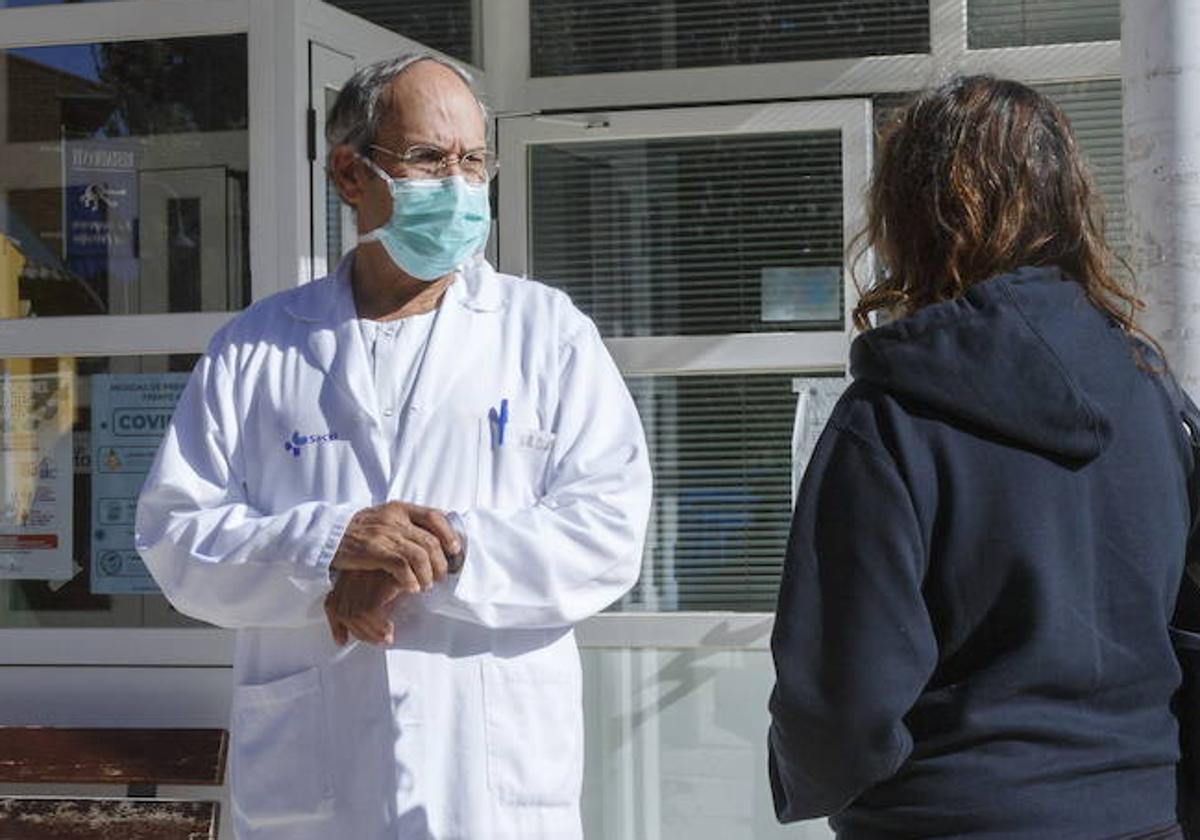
(428,91)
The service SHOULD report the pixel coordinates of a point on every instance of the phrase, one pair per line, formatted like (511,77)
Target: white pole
(1160,57)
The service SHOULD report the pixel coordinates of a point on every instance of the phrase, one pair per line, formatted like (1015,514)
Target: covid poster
(36,476)
(130,415)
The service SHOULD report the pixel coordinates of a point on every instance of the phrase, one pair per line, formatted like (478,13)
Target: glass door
(708,245)
(154,179)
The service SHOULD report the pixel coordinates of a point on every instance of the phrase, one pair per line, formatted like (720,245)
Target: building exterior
(690,171)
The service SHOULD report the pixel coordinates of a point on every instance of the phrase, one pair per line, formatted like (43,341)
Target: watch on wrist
(455,562)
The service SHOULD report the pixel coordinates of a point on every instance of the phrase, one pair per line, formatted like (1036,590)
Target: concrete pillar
(1160,58)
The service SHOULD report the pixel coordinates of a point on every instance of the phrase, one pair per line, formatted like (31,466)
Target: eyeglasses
(477,165)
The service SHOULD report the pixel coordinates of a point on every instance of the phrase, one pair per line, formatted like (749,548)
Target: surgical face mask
(437,224)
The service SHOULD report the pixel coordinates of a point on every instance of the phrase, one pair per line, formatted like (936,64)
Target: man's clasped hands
(387,551)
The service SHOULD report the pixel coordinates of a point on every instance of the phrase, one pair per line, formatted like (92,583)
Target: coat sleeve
(580,547)
(853,642)
(215,556)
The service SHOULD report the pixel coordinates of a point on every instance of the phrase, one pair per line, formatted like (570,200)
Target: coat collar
(329,299)
(335,339)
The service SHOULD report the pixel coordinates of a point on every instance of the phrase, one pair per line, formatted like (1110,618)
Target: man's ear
(348,174)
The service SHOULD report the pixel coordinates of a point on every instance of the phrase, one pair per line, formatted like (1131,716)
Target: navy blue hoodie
(971,638)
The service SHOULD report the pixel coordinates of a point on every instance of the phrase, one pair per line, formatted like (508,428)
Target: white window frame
(601,101)
(279,34)
(278,29)
(825,351)
(508,49)
(814,352)
(822,351)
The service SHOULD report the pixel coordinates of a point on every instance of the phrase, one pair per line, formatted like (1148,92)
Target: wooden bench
(140,759)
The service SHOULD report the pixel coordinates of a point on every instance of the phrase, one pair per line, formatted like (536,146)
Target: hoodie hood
(1025,356)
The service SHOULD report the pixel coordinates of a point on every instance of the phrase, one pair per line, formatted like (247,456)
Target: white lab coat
(470,725)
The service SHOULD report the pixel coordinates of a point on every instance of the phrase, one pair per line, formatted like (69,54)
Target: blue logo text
(298,441)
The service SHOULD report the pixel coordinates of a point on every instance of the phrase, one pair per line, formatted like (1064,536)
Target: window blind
(720,447)
(570,37)
(445,25)
(1019,23)
(692,235)
(1094,109)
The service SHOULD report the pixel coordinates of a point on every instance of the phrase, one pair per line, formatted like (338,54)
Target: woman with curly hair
(971,639)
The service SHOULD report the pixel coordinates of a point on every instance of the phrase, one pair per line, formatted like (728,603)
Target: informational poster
(130,415)
(815,398)
(101,208)
(36,476)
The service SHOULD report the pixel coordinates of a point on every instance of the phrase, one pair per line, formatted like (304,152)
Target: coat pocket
(512,472)
(534,721)
(279,748)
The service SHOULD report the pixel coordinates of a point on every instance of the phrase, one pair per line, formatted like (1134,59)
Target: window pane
(677,747)
(449,26)
(333,206)
(607,36)
(694,235)
(720,447)
(1094,109)
(124,178)
(1017,23)
(76,437)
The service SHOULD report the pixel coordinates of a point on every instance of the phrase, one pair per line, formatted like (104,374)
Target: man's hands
(387,551)
(360,605)
(408,542)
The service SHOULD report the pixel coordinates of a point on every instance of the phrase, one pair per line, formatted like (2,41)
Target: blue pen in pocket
(500,419)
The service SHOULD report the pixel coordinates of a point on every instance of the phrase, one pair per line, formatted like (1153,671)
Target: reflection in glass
(107,149)
(693,235)
(76,438)
(720,448)
(676,746)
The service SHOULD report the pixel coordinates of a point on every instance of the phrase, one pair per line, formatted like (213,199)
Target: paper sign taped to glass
(36,475)
(130,415)
(815,398)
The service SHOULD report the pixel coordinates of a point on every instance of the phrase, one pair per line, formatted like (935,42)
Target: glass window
(335,211)
(693,235)
(449,26)
(677,747)
(702,236)
(1094,109)
(124,177)
(77,436)
(607,36)
(720,447)
(1019,23)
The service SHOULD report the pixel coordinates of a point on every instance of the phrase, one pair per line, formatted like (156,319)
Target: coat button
(387,412)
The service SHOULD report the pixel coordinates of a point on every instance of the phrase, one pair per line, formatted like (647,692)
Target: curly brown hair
(976,178)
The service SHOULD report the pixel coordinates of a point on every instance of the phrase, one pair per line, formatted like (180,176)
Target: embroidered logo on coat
(298,441)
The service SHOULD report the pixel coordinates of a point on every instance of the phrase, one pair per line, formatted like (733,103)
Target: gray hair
(355,117)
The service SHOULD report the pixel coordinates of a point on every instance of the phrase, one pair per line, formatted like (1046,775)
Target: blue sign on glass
(130,415)
(101,208)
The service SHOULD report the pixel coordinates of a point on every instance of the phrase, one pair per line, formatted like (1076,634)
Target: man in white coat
(403,484)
